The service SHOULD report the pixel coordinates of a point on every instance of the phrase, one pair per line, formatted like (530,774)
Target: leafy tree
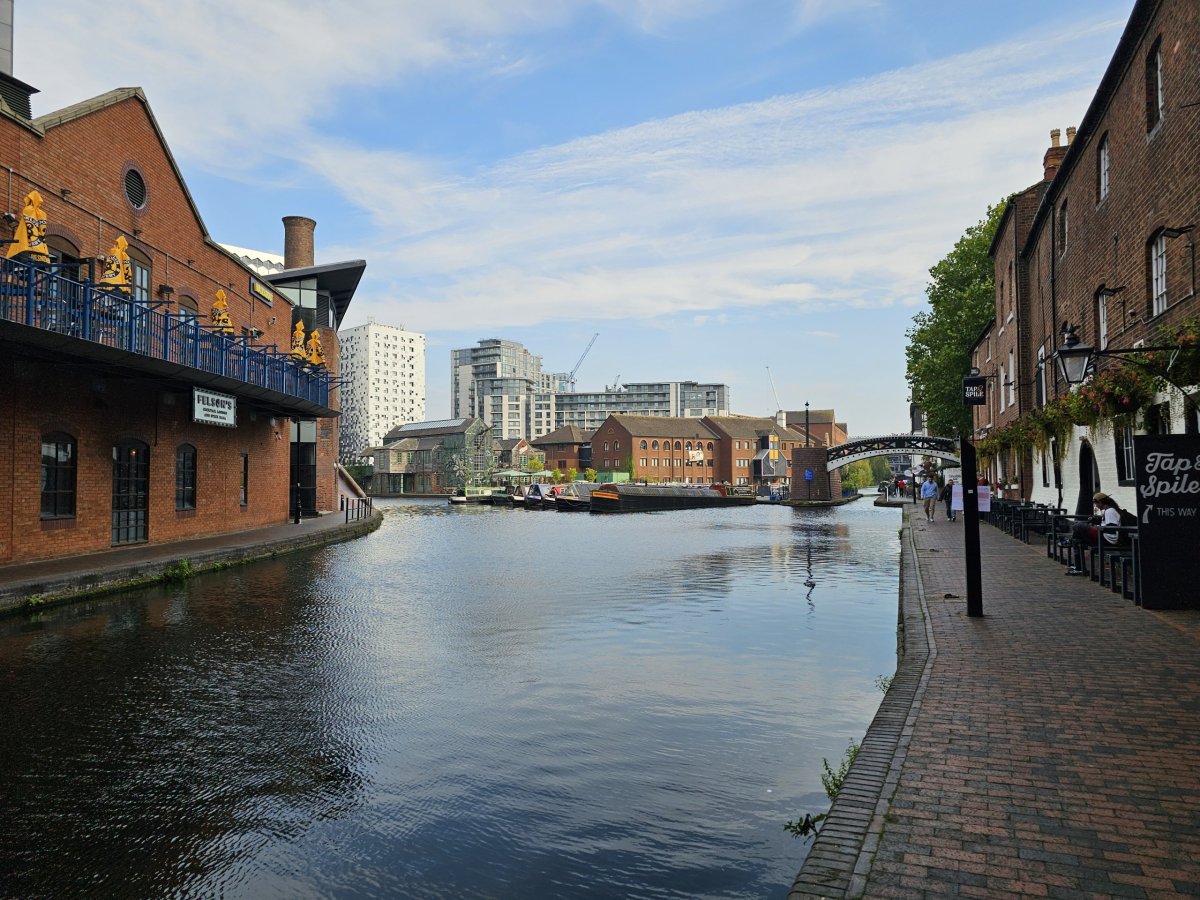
(880,470)
(534,465)
(857,475)
(572,473)
(589,473)
(961,301)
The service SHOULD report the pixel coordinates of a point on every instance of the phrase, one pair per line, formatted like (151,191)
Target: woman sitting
(1088,533)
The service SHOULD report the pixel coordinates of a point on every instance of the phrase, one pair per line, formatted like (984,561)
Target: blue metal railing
(37,296)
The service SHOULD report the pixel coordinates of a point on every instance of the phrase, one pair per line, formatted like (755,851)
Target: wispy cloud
(839,198)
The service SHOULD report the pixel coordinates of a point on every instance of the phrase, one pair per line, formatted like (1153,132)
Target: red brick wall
(1154,182)
(89,157)
(98,410)
(328,431)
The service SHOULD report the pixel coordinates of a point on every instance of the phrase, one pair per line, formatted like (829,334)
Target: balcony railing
(37,296)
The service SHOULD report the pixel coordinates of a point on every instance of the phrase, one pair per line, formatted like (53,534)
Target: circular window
(135,188)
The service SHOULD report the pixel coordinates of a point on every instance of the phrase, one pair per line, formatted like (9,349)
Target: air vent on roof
(135,188)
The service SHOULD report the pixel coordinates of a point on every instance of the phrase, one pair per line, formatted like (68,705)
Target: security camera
(10,220)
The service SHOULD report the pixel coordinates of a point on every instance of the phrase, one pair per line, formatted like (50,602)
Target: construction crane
(586,350)
(778,405)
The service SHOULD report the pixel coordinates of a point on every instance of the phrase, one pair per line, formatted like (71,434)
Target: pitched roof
(421,429)
(568,434)
(815,417)
(749,427)
(663,426)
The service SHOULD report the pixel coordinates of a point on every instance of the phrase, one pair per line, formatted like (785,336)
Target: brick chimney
(1053,160)
(298,242)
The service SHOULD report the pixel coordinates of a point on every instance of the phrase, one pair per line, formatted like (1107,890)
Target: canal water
(470,702)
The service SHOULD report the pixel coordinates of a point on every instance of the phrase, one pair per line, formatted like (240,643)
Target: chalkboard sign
(1168,508)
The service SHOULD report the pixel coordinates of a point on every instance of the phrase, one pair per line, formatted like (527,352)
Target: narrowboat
(657,497)
(575,497)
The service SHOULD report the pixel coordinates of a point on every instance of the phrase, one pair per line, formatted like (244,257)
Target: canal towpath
(1050,748)
(73,577)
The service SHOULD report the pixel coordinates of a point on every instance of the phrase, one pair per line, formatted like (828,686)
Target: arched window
(616,445)
(58,475)
(710,446)
(185,477)
(677,446)
(189,310)
(687,446)
(643,445)
(654,445)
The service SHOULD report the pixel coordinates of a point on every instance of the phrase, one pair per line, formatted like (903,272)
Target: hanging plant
(1051,422)
(1180,366)
(1116,394)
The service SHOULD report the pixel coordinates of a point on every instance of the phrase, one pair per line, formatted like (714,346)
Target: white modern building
(503,384)
(383,367)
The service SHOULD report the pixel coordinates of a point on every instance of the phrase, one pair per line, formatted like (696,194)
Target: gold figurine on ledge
(297,352)
(314,349)
(30,234)
(219,315)
(118,272)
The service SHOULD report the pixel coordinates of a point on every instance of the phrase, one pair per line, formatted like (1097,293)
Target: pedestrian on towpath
(948,499)
(929,492)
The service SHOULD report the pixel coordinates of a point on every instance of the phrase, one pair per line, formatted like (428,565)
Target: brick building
(569,447)
(150,390)
(1107,245)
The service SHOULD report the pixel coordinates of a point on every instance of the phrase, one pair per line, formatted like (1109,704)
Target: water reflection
(470,701)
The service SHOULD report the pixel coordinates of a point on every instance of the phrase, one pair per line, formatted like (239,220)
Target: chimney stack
(1070,134)
(1054,155)
(298,242)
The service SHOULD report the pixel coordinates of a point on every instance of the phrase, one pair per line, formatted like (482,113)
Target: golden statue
(30,234)
(314,349)
(219,316)
(298,353)
(118,272)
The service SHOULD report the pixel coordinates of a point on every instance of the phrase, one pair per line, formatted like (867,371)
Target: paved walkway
(96,572)
(1048,749)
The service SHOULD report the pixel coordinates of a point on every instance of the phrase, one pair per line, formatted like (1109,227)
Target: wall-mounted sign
(1167,474)
(261,291)
(974,391)
(212,408)
(808,474)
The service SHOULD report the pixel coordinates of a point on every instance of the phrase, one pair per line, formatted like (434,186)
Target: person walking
(948,499)
(929,492)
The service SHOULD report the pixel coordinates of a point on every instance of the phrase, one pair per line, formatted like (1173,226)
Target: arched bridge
(865,448)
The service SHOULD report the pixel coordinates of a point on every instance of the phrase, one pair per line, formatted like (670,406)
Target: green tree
(589,473)
(880,470)
(572,473)
(857,475)
(961,301)
(534,465)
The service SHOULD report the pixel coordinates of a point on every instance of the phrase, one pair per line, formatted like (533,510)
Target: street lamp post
(807,443)
(1076,359)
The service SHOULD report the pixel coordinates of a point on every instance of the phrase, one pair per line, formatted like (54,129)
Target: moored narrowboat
(659,497)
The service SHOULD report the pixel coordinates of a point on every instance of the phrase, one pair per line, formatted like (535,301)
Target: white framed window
(1158,274)
(1012,379)
(1102,170)
(1000,393)
(1102,320)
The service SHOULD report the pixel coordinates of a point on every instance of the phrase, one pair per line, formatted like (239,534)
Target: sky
(748,193)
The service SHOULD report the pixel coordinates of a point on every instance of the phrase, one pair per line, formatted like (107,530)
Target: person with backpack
(1088,533)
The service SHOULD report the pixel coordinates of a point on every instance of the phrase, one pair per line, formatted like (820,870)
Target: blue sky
(714,187)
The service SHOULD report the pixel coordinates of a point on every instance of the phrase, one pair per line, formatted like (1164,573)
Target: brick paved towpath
(1049,749)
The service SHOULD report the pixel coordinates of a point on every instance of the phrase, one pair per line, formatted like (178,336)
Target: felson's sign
(212,408)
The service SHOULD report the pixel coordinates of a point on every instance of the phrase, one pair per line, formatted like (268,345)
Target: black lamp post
(807,443)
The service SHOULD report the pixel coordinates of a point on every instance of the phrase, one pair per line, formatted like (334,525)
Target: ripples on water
(469,702)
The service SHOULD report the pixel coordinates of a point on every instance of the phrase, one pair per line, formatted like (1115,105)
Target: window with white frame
(1102,320)
(1158,275)
(1012,379)
(1102,170)
(1001,391)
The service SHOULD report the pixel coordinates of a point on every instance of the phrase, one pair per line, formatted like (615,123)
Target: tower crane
(586,350)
